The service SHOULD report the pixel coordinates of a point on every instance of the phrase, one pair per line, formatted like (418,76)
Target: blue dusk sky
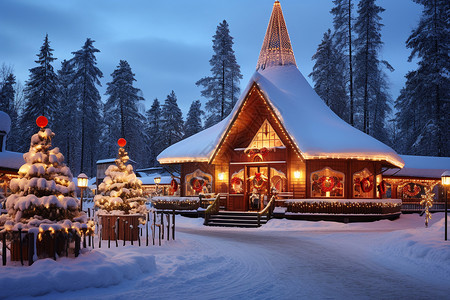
(169,43)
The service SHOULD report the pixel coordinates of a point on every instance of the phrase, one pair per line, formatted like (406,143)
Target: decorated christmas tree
(44,189)
(121,190)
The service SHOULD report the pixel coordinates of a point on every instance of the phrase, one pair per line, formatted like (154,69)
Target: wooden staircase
(236,219)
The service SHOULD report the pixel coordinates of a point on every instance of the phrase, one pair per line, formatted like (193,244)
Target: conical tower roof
(276,49)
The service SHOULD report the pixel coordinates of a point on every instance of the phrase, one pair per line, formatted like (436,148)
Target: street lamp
(445,179)
(82,181)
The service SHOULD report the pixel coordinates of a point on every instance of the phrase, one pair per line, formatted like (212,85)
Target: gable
(266,137)
(249,118)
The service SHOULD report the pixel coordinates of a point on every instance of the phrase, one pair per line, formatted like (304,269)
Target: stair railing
(268,210)
(212,209)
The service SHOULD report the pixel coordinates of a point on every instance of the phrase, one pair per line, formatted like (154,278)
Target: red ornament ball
(41,121)
(121,142)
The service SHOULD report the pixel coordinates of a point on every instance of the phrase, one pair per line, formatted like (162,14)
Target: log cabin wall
(187,168)
(296,185)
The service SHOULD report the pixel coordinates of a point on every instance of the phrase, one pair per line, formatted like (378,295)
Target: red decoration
(382,187)
(411,193)
(258,181)
(197,184)
(327,184)
(174,185)
(41,121)
(121,142)
(366,185)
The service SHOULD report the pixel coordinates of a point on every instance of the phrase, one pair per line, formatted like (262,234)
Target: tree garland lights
(323,207)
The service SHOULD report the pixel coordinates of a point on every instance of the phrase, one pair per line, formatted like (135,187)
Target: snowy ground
(284,259)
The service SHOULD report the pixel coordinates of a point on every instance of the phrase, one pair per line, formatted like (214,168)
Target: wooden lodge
(281,139)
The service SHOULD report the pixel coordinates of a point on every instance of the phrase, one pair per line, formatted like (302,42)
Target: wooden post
(20,246)
(77,244)
(168,226)
(31,248)
(4,248)
(146,228)
(162,225)
(154,227)
(84,238)
(131,234)
(173,225)
(109,232)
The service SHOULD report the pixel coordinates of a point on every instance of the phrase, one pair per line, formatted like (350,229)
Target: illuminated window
(327,183)
(266,137)
(237,182)
(363,184)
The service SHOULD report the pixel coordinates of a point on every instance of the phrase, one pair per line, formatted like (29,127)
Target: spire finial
(276,49)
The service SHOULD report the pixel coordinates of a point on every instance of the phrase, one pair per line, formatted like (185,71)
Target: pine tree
(423,105)
(343,34)
(370,83)
(40,91)
(7,94)
(172,121)
(68,116)
(193,122)
(222,87)
(154,131)
(329,80)
(120,191)
(123,103)
(45,187)
(86,78)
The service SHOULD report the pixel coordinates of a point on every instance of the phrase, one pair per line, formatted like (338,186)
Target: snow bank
(98,268)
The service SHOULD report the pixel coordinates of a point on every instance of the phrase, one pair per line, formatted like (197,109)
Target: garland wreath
(409,192)
(259,180)
(366,185)
(236,184)
(197,184)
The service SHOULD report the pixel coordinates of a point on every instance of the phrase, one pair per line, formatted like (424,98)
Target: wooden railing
(212,209)
(268,210)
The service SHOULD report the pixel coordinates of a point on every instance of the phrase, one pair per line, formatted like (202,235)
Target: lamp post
(445,179)
(157,180)
(82,181)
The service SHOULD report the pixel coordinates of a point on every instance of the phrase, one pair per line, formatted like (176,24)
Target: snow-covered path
(291,260)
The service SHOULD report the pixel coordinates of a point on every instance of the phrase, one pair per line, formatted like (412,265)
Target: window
(327,183)
(266,137)
(198,182)
(237,182)
(363,184)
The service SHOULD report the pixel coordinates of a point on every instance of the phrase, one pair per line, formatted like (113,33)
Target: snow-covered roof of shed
(421,166)
(11,160)
(315,129)
(5,122)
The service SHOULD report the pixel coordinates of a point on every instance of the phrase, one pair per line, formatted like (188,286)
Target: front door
(257,187)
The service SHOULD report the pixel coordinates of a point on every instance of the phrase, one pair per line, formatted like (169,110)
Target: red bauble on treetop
(41,121)
(121,142)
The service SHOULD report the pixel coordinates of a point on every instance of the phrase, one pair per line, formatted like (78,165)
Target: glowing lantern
(121,142)
(41,121)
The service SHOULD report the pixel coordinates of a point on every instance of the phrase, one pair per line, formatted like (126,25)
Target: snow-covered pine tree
(193,122)
(121,190)
(40,92)
(44,189)
(172,121)
(329,80)
(68,117)
(424,105)
(222,87)
(343,35)
(154,131)
(124,103)
(370,83)
(86,78)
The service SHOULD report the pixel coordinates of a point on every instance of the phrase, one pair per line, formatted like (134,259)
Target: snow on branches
(121,190)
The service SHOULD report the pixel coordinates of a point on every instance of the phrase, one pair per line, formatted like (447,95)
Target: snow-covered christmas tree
(44,189)
(121,190)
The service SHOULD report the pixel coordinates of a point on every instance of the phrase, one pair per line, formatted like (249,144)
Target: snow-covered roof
(421,166)
(11,160)
(315,129)
(5,122)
